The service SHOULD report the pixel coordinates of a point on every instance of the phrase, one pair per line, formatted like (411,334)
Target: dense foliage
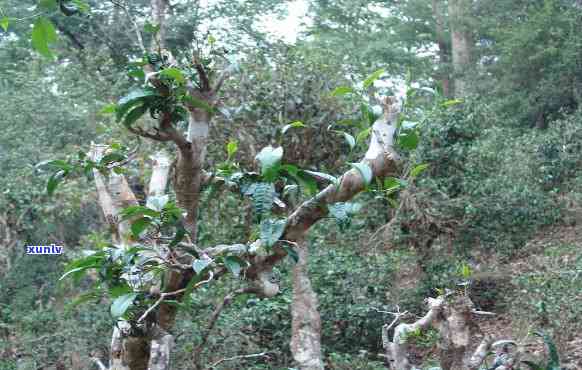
(484,174)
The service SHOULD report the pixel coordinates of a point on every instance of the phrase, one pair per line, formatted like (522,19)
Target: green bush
(502,181)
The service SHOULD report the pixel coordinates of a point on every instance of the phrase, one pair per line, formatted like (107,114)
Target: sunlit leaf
(373,77)
(269,157)
(292,125)
(452,102)
(121,304)
(174,73)
(417,170)
(4,23)
(132,211)
(231,148)
(363,135)
(342,90)
(43,34)
(108,109)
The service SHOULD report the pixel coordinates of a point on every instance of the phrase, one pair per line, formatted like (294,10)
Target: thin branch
(99,364)
(148,135)
(202,73)
(215,315)
(262,354)
(170,294)
(220,81)
(130,157)
(133,22)
(171,132)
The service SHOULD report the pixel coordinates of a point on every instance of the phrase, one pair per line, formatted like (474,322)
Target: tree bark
(462,43)
(306,322)
(451,315)
(444,49)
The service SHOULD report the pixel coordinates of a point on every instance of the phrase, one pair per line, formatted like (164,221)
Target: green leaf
(121,304)
(151,28)
(465,271)
(295,124)
(373,77)
(135,114)
(233,264)
(231,148)
(452,102)
(367,114)
(271,231)
(290,169)
(291,252)
(349,139)
(60,164)
(75,270)
(175,74)
(139,225)
(82,6)
(391,185)
(343,213)
(363,135)
(198,103)
(365,171)
(132,211)
(134,97)
(119,290)
(417,170)
(108,109)
(83,298)
(269,157)
(53,181)
(342,90)
(43,34)
(408,125)
(180,234)
(48,4)
(408,140)
(111,158)
(263,196)
(4,23)
(200,264)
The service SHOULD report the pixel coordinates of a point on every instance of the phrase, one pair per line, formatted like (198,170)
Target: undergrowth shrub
(506,180)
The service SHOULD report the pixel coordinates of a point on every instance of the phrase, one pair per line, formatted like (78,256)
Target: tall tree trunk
(462,43)
(444,49)
(306,322)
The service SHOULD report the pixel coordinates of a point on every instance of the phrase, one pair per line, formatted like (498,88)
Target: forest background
(492,92)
